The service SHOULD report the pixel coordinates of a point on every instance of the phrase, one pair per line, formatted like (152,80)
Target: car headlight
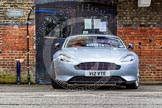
(128,58)
(65,58)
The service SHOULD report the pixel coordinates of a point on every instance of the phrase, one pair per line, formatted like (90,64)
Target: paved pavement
(43,96)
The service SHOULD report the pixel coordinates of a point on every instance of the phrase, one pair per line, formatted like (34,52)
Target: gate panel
(57,20)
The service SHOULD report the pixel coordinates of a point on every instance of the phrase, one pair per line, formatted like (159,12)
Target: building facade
(13,43)
(141,26)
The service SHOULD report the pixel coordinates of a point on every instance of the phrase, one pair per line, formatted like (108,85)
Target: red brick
(150,53)
(14,47)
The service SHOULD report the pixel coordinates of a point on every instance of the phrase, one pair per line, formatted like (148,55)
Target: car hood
(95,54)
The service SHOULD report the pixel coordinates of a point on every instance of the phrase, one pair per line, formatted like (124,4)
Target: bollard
(18,72)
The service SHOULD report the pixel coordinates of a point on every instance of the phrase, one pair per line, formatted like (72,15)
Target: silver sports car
(95,59)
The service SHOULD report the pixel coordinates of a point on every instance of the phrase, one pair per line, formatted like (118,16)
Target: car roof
(113,36)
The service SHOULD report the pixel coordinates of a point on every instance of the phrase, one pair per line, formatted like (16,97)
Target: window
(94,41)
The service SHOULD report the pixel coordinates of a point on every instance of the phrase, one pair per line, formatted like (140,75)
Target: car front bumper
(65,71)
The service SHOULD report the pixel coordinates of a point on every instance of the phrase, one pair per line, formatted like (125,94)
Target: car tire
(55,85)
(134,85)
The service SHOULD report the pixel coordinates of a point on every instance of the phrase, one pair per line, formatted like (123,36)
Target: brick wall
(13,40)
(14,4)
(143,28)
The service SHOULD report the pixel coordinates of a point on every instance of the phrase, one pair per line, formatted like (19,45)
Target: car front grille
(97,66)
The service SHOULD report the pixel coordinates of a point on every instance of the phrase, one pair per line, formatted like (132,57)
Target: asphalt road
(43,96)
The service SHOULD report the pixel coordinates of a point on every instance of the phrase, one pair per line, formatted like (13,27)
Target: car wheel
(134,85)
(55,85)
(52,73)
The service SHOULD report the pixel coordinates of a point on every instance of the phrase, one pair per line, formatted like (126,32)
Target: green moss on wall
(8,77)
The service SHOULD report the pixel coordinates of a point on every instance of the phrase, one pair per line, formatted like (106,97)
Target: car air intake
(97,66)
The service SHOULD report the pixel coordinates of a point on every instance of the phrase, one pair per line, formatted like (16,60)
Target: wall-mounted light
(144,3)
(15,26)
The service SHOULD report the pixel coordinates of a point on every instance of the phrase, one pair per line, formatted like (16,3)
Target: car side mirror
(58,45)
(130,46)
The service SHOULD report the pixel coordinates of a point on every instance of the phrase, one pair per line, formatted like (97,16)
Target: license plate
(97,73)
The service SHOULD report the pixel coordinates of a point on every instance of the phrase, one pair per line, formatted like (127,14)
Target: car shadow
(100,88)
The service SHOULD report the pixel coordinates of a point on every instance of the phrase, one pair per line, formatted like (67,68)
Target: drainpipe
(28,47)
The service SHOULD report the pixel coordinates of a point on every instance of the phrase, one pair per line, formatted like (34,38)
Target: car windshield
(94,41)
